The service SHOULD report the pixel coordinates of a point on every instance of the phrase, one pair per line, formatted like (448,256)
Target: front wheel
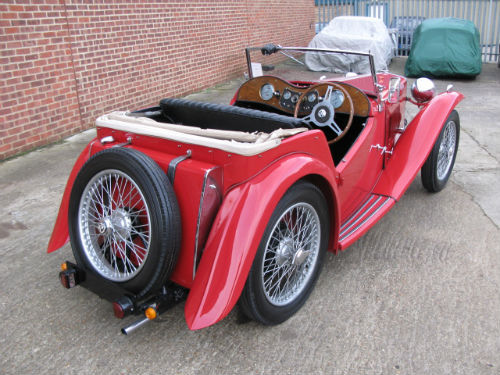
(437,168)
(289,257)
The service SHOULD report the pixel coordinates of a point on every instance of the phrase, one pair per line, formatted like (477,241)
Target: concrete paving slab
(419,293)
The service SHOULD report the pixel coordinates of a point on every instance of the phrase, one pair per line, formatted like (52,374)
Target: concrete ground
(418,294)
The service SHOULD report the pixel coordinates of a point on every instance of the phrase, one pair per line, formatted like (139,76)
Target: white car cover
(350,33)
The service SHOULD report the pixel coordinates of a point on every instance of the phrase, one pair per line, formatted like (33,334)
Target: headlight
(423,90)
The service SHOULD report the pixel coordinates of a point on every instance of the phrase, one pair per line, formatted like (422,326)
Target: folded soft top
(237,142)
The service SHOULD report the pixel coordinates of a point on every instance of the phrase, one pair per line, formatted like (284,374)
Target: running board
(364,218)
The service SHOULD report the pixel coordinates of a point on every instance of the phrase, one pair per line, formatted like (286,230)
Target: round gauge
(311,97)
(337,98)
(295,98)
(287,94)
(266,91)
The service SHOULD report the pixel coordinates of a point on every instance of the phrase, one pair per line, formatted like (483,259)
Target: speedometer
(311,97)
(266,91)
(336,98)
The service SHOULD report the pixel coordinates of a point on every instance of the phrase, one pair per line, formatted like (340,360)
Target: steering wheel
(323,113)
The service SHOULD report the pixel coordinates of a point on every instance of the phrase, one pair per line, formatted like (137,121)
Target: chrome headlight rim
(423,90)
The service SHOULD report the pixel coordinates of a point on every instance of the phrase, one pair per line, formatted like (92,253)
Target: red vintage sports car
(225,204)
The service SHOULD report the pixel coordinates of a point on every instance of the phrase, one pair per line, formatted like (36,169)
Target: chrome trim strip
(361,217)
(366,219)
(198,222)
(172,166)
(361,209)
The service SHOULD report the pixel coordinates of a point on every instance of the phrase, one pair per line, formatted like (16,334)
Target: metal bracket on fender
(174,163)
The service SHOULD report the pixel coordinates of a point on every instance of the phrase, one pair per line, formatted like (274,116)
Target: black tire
(259,301)
(124,221)
(437,168)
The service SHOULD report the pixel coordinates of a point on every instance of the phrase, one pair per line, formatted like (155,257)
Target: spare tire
(124,221)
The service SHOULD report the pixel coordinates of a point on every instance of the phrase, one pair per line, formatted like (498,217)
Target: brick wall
(66,62)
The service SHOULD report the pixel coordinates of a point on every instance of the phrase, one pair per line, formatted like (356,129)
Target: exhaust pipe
(152,309)
(132,327)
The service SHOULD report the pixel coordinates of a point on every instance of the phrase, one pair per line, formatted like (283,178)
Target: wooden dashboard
(283,96)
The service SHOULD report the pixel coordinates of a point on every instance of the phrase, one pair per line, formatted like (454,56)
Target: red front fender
(415,145)
(236,234)
(60,234)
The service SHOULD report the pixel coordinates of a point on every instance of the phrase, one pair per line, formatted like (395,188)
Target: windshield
(309,64)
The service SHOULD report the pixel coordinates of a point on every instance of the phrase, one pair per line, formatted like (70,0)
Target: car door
(361,167)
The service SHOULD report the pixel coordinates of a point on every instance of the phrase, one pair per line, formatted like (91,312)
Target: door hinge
(382,149)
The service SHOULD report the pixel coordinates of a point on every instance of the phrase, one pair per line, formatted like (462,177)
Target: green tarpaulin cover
(444,47)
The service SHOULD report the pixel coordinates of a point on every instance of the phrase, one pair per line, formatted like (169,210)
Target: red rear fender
(236,234)
(60,234)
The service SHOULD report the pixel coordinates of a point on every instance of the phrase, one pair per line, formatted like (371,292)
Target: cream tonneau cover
(236,142)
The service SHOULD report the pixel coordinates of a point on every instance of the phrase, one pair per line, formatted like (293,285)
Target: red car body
(371,177)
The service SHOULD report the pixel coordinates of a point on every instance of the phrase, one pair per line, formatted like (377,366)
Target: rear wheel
(437,169)
(289,257)
(124,220)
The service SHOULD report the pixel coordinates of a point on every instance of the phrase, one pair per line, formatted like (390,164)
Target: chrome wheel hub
(284,252)
(300,257)
(120,223)
(287,253)
(104,226)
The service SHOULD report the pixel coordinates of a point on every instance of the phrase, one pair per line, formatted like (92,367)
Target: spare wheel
(124,220)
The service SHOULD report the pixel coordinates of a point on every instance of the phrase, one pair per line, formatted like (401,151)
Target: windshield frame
(272,48)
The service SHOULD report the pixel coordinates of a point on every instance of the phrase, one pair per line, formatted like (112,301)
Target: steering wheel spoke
(308,118)
(328,93)
(336,129)
(323,113)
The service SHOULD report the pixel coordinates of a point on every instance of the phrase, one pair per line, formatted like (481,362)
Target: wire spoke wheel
(289,258)
(290,255)
(437,168)
(124,221)
(446,149)
(114,223)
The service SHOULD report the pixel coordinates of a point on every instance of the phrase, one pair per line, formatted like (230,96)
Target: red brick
(8,15)
(16,8)
(4,151)
(11,30)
